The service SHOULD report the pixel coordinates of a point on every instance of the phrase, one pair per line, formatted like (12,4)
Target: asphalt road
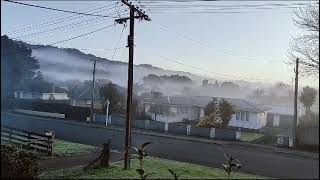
(255,161)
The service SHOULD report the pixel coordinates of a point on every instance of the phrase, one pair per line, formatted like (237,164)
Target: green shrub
(17,164)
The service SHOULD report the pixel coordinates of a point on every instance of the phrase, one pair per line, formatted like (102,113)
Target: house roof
(202,101)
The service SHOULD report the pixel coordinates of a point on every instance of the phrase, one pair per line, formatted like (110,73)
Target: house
(281,116)
(85,99)
(84,95)
(171,109)
(41,96)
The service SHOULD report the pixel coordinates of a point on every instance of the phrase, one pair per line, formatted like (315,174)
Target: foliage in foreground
(152,164)
(175,175)
(140,156)
(231,164)
(17,164)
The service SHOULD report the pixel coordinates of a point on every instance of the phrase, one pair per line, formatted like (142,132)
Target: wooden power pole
(295,117)
(93,87)
(135,13)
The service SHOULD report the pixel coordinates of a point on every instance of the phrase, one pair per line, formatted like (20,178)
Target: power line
(67,26)
(118,43)
(53,21)
(197,68)
(61,10)
(62,41)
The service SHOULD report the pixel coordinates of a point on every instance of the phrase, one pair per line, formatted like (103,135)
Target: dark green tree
(308,97)
(111,93)
(226,111)
(217,114)
(17,66)
(211,107)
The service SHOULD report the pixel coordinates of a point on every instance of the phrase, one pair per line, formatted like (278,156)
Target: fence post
(146,124)
(212,133)
(10,136)
(50,135)
(238,134)
(166,127)
(188,129)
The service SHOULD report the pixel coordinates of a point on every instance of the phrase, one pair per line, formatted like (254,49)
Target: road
(255,161)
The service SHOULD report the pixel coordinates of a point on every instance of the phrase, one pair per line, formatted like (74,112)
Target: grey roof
(202,101)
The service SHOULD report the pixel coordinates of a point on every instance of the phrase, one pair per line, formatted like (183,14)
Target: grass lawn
(155,165)
(65,148)
(250,136)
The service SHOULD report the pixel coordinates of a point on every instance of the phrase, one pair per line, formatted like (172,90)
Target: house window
(238,115)
(243,116)
(182,110)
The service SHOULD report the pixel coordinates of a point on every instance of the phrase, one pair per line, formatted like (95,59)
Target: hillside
(65,64)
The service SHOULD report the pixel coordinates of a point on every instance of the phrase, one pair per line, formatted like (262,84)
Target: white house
(42,96)
(178,109)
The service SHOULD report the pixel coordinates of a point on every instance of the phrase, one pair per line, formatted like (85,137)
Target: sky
(252,45)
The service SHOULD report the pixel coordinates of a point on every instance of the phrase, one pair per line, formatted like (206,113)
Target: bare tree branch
(306,47)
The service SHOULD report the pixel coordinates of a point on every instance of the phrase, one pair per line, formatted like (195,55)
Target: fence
(71,112)
(175,128)
(28,139)
(308,136)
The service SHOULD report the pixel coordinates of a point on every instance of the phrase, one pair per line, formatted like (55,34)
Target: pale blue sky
(262,34)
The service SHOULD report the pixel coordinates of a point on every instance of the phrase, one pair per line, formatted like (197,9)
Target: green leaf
(144,145)
(140,171)
(239,166)
(227,156)
(171,172)
(226,167)
(136,149)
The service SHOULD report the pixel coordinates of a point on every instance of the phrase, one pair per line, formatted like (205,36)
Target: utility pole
(295,117)
(93,87)
(135,13)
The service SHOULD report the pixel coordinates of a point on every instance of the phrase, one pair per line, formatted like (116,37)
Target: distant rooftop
(202,101)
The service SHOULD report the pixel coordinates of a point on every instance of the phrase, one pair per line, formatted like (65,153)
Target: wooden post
(50,135)
(29,144)
(10,136)
(140,15)
(295,117)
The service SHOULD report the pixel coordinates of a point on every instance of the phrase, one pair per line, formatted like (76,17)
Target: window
(182,110)
(238,115)
(243,116)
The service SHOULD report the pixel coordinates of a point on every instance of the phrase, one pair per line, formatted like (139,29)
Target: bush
(17,164)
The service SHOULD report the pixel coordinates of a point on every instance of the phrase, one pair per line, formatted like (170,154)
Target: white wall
(57,96)
(256,121)
(193,114)
(43,96)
